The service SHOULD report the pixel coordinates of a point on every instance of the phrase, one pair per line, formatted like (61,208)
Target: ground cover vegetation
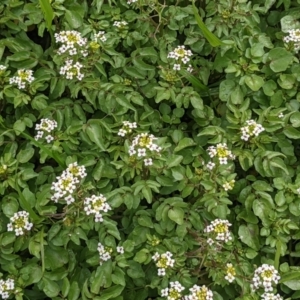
(149,149)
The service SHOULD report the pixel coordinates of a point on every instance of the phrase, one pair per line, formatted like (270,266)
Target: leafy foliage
(149,149)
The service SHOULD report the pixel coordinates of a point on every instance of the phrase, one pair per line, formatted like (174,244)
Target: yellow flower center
(72,38)
(162,263)
(20,222)
(180,52)
(267,274)
(174,294)
(98,204)
(144,141)
(201,295)
(66,182)
(23,75)
(222,152)
(221,228)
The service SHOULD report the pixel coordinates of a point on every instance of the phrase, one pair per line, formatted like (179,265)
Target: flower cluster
(163,262)
(71,70)
(23,77)
(2,69)
(264,277)
(221,152)
(228,185)
(127,128)
(120,24)
(251,129)
(230,273)
(143,146)
(104,253)
(181,55)
(270,296)
(6,287)
(173,292)
(95,205)
(199,293)
(219,231)
(72,42)
(45,127)
(19,223)
(294,38)
(101,36)
(67,183)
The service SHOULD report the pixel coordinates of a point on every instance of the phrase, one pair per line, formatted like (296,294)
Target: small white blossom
(67,183)
(131,1)
(199,293)
(218,230)
(96,205)
(230,273)
(270,296)
(120,250)
(120,24)
(45,127)
(176,67)
(19,223)
(163,262)
(264,277)
(210,165)
(251,129)
(24,77)
(127,128)
(71,70)
(173,292)
(229,185)
(71,41)
(293,38)
(143,145)
(104,253)
(221,152)
(190,69)
(101,36)
(281,115)
(6,288)
(181,55)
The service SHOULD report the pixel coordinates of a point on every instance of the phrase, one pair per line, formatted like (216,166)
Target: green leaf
(94,132)
(176,214)
(48,12)
(211,38)
(280,59)
(249,235)
(254,82)
(184,143)
(74,291)
(110,293)
(292,133)
(73,18)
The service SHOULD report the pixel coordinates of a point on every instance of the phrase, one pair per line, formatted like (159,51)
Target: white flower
(120,249)
(251,129)
(230,273)
(281,115)
(210,165)
(190,69)
(104,253)
(96,205)
(264,277)
(101,36)
(71,41)
(120,24)
(198,292)
(180,54)
(148,162)
(221,152)
(6,288)
(71,70)
(293,38)
(270,296)
(218,230)
(24,77)
(19,222)
(127,128)
(163,262)
(174,292)
(176,67)
(131,1)
(229,185)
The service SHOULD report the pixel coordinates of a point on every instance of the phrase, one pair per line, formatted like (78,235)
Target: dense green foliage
(224,115)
